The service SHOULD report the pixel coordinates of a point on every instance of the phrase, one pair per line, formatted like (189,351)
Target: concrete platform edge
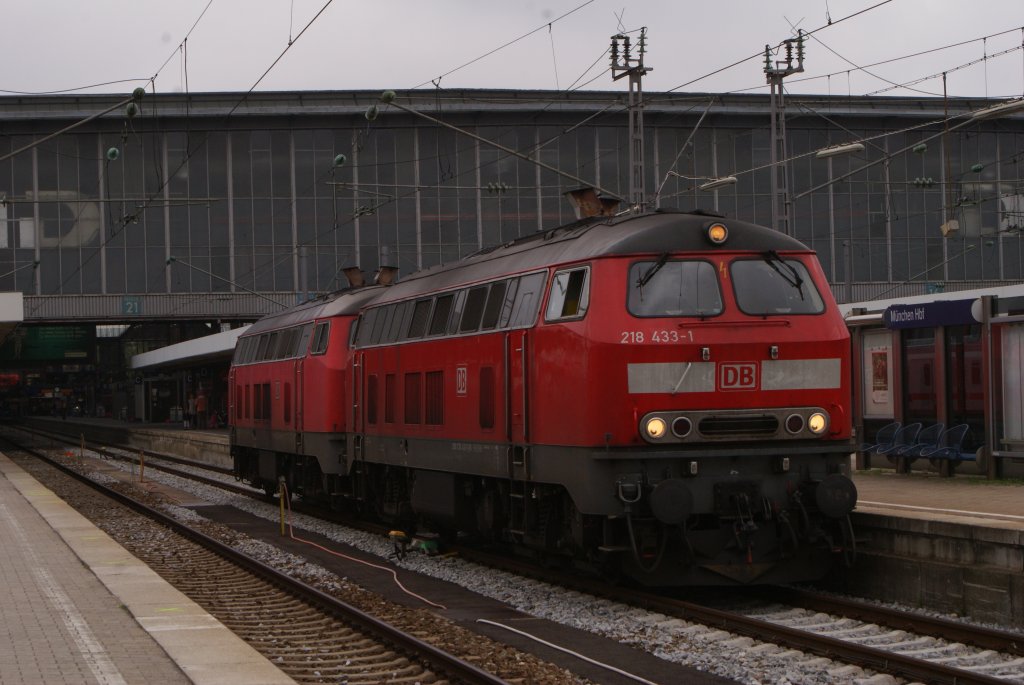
(183,629)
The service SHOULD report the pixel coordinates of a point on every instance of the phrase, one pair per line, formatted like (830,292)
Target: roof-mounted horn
(588,202)
(355,276)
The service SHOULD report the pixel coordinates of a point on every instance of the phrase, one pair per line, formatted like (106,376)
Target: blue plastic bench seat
(883,438)
(950,445)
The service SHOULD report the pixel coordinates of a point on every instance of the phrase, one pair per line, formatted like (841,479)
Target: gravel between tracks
(708,649)
(507,662)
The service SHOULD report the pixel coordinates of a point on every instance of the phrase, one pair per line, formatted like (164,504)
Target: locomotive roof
(348,301)
(652,233)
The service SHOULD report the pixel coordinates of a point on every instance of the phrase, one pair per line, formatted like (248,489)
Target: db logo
(461,380)
(742,376)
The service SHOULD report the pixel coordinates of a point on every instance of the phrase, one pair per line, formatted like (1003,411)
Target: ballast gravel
(709,649)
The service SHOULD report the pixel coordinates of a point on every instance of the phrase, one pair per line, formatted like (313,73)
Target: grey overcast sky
(67,45)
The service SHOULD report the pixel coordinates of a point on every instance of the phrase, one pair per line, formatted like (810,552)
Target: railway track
(879,639)
(876,638)
(312,636)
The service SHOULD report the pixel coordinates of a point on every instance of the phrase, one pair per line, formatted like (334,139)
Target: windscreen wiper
(791,275)
(649,274)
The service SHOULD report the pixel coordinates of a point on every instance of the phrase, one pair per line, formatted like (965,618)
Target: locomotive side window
(303,345)
(400,322)
(524,311)
(320,336)
(420,317)
(510,300)
(570,295)
(673,288)
(772,286)
(380,324)
(364,330)
(286,345)
(492,310)
(442,310)
(271,348)
(457,307)
(283,343)
(475,301)
(262,349)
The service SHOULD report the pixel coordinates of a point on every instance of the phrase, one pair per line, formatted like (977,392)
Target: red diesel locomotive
(663,395)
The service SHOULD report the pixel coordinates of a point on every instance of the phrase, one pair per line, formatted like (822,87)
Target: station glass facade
(189,198)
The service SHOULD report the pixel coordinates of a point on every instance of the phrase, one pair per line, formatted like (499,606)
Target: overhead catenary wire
(437,79)
(503,148)
(882,3)
(865,69)
(151,198)
(759,54)
(892,60)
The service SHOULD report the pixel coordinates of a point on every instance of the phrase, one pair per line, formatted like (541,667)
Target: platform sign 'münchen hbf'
(931,314)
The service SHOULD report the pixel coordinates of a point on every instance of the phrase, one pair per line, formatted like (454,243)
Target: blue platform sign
(131,305)
(932,314)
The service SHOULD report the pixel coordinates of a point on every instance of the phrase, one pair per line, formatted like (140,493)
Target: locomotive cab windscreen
(774,285)
(666,287)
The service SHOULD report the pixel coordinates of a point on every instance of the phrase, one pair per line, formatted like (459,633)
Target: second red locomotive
(663,395)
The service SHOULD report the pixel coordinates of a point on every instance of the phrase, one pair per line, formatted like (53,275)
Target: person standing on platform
(201,409)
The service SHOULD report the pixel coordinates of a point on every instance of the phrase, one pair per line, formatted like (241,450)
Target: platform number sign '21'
(461,380)
(737,376)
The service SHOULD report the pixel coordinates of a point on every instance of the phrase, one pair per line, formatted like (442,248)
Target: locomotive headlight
(655,428)
(817,422)
(717,233)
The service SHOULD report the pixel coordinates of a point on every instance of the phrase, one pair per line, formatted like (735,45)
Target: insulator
(977,167)
(387,97)
(113,153)
(138,93)
(920,147)
(131,109)
(340,160)
(371,113)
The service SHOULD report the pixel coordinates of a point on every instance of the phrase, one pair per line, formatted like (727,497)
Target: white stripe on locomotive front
(788,374)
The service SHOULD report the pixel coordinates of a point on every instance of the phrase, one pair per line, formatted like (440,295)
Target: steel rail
(435,658)
(954,631)
(881,660)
